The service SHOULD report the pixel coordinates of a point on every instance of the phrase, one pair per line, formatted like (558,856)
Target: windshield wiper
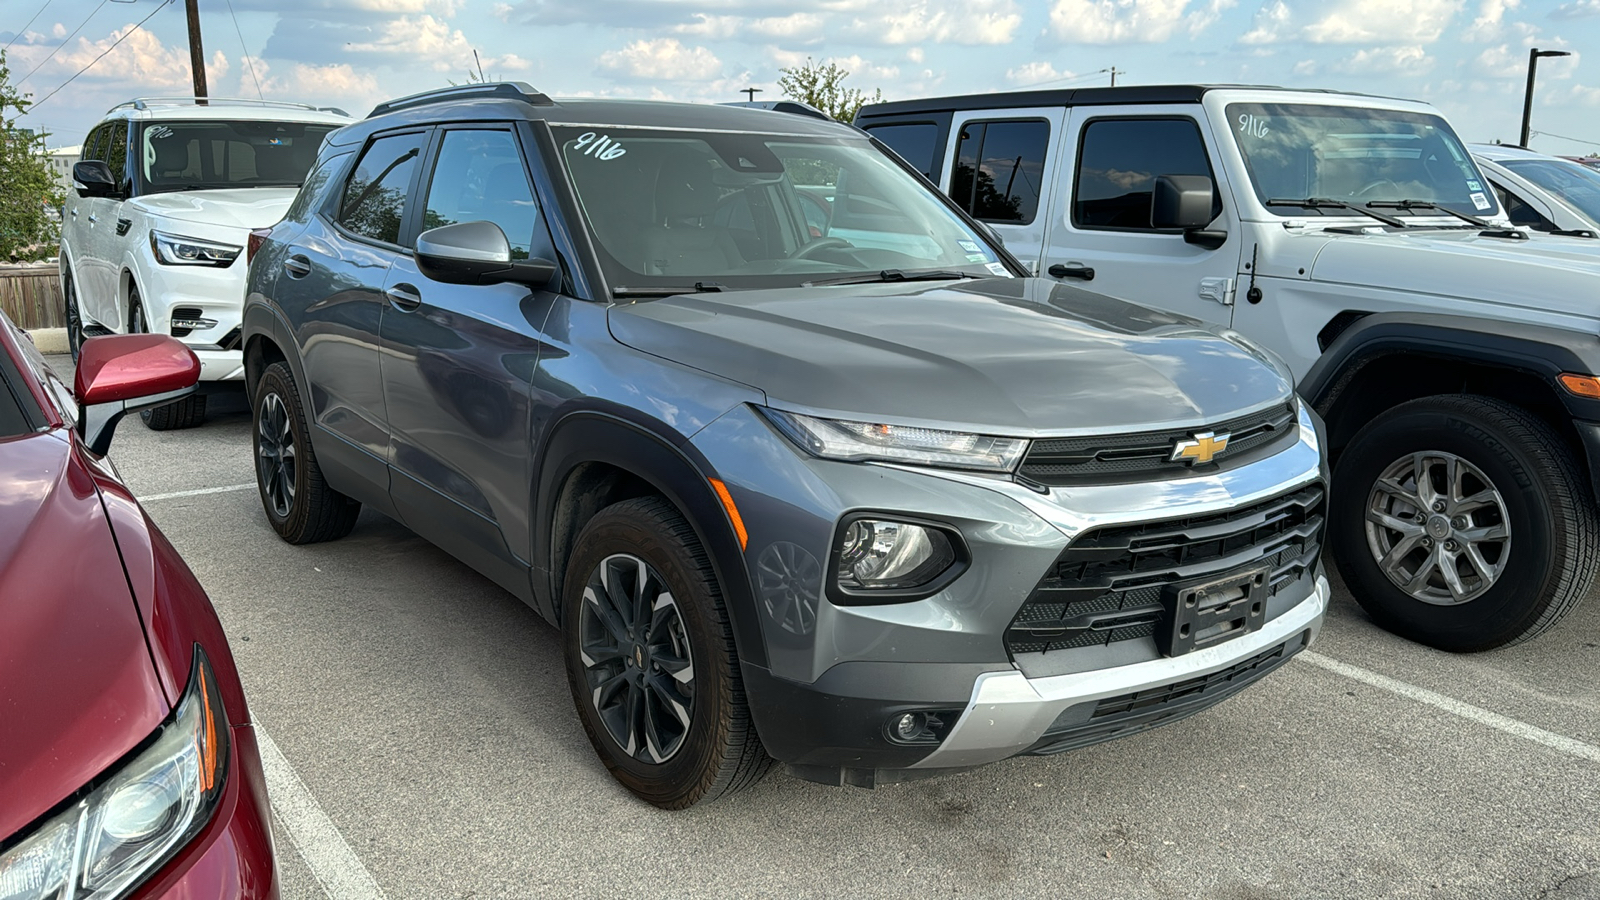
(894,275)
(1426,204)
(699,287)
(1329,203)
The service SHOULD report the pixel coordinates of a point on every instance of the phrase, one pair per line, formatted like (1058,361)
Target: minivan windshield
(737,210)
(1299,151)
(204,154)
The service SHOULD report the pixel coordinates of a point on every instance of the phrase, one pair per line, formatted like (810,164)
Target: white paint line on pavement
(1562,743)
(198,491)
(335,865)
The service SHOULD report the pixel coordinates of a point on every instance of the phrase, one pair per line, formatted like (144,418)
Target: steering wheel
(820,244)
(1375,185)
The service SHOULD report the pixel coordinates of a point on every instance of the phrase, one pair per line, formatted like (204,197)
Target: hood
(1004,355)
(77,687)
(236,207)
(1546,274)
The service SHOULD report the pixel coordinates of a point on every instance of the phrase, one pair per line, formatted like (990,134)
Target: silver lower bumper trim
(1009,712)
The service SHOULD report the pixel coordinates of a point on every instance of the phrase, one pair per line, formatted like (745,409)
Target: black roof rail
(794,107)
(504,90)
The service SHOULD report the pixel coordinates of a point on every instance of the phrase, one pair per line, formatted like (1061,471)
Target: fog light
(909,726)
(921,727)
(887,555)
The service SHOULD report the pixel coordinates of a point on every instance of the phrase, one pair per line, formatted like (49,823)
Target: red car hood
(77,686)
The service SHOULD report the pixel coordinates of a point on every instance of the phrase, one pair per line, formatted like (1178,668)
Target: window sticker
(1481,202)
(970,246)
(599,146)
(1473,185)
(998,268)
(158,132)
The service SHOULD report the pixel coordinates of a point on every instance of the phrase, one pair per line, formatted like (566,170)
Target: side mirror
(478,253)
(1185,202)
(93,178)
(119,374)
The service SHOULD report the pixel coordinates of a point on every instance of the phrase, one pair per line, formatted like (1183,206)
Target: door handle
(403,297)
(74,212)
(297,266)
(93,218)
(1072,270)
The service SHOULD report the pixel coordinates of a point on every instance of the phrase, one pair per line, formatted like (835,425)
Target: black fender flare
(660,457)
(263,320)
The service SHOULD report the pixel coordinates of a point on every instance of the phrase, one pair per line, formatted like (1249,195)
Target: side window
(95,144)
(480,177)
(374,201)
(313,188)
(915,142)
(1521,213)
(116,152)
(1000,170)
(1118,162)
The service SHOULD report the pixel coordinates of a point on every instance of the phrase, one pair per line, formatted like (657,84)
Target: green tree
(822,86)
(28,192)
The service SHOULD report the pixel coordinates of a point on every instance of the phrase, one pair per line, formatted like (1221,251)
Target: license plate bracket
(1204,613)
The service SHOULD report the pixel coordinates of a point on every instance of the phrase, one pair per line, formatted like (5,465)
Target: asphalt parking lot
(421,742)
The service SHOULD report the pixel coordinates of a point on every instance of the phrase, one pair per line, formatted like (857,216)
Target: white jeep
(166,195)
(1454,356)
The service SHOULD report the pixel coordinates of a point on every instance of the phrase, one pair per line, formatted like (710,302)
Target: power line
(102,55)
(246,51)
(1074,77)
(63,43)
(24,30)
(1565,138)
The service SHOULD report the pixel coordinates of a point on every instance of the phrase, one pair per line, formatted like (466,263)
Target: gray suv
(787,446)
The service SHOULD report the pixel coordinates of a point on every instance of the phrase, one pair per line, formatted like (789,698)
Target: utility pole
(1527,100)
(751,92)
(1114,72)
(197,54)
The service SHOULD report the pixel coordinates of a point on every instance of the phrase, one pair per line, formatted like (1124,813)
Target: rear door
(1102,237)
(1001,168)
(458,363)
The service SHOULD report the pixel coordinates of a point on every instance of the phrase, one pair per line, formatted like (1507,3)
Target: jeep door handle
(297,266)
(1072,271)
(403,297)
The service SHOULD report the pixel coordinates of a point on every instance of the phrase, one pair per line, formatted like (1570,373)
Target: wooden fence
(31,296)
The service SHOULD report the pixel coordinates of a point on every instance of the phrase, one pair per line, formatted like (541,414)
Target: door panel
(1101,214)
(1002,168)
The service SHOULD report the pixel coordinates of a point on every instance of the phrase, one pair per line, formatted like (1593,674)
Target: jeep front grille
(1108,585)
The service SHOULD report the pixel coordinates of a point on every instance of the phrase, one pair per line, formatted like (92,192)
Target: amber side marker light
(1582,385)
(733,511)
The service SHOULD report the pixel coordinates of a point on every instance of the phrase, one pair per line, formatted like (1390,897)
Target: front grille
(1109,584)
(1116,717)
(1099,459)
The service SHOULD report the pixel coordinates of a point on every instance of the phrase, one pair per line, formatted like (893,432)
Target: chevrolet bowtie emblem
(1202,448)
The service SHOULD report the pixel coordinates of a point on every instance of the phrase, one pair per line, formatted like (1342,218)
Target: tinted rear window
(999,170)
(915,143)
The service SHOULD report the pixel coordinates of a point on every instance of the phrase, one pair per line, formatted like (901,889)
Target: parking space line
(335,866)
(1562,743)
(198,491)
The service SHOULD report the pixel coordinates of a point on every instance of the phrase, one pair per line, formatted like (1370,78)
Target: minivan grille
(1109,584)
(1111,458)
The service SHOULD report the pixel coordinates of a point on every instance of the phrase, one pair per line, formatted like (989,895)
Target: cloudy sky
(1466,56)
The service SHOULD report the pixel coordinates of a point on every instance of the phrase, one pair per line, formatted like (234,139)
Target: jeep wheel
(1463,523)
(651,661)
(300,505)
(185,413)
(69,297)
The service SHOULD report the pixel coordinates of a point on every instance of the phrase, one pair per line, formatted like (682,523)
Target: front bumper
(232,859)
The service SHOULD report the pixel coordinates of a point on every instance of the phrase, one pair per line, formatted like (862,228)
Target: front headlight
(176,250)
(126,828)
(839,439)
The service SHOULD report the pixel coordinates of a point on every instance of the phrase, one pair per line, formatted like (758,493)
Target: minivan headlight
(140,817)
(845,440)
(176,250)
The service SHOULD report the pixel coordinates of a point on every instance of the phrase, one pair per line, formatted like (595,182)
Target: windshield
(1572,182)
(191,155)
(1356,156)
(749,210)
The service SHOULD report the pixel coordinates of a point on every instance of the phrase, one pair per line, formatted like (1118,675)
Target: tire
(69,297)
(299,504)
(612,667)
(185,413)
(1514,524)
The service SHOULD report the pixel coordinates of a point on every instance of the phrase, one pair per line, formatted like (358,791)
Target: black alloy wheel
(300,505)
(275,455)
(69,297)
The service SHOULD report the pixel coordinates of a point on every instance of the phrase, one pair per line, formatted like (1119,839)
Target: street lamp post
(1527,101)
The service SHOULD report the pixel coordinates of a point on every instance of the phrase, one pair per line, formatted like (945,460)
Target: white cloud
(1578,9)
(1490,20)
(422,39)
(1352,21)
(1508,61)
(663,59)
(1410,60)
(938,21)
(797,27)
(1129,21)
(1037,72)
(338,84)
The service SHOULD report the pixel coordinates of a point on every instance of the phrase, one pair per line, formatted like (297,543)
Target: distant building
(62,160)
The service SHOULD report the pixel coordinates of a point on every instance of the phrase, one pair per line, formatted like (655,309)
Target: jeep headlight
(139,817)
(840,439)
(176,250)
